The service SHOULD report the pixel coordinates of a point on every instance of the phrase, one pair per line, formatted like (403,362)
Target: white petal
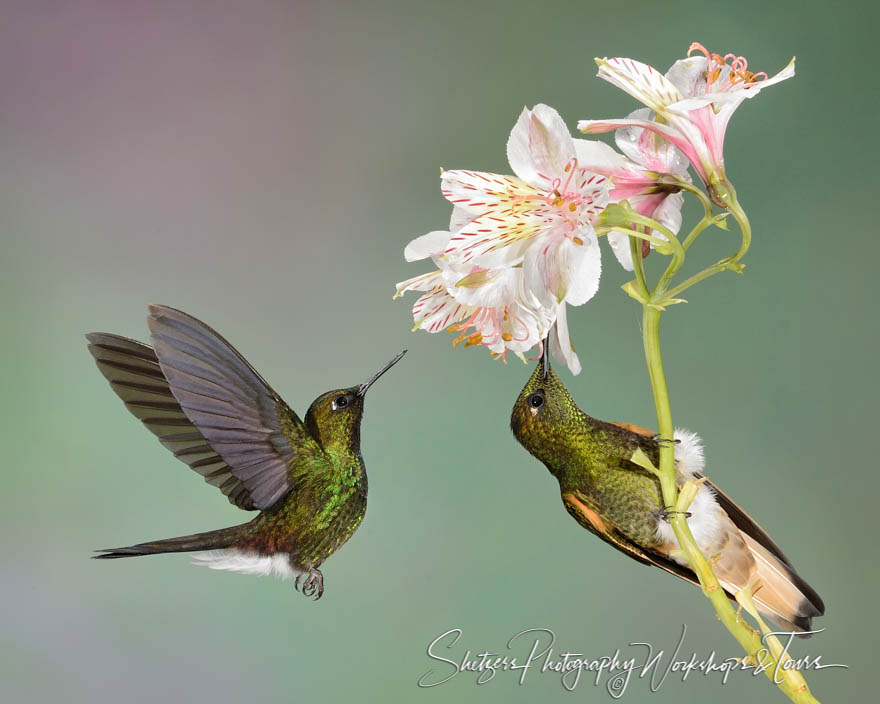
(689,76)
(488,288)
(423,282)
(518,153)
(649,149)
(644,83)
(459,218)
(598,156)
(432,244)
(558,269)
(499,239)
(542,277)
(560,342)
(784,74)
(550,143)
(668,213)
(540,146)
(620,246)
(476,191)
(587,269)
(437,310)
(526,327)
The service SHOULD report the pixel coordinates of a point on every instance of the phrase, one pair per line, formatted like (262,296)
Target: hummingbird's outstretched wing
(207,405)
(242,418)
(587,514)
(132,369)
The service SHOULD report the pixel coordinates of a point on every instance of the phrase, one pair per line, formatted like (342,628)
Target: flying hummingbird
(620,502)
(217,414)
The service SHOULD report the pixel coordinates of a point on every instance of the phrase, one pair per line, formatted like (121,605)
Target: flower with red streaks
(487,307)
(518,247)
(693,103)
(542,218)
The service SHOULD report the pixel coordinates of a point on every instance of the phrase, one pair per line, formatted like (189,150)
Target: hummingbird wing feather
(586,513)
(133,371)
(240,416)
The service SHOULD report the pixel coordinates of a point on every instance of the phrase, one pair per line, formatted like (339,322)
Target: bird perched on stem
(217,414)
(621,502)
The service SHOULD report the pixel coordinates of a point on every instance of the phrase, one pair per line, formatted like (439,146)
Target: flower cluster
(520,248)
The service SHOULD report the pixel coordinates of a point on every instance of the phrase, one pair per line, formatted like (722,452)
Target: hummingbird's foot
(313,585)
(670,510)
(668,441)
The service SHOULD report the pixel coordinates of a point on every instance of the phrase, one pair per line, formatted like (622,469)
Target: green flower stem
(708,210)
(708,219)
(604,230)
(731,263)
(639,268)
(768,655)
(673,243)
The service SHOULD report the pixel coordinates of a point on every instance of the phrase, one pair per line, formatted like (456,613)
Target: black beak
(362,389)
(545,356)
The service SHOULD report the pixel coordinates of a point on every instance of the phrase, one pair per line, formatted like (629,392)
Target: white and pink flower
(518,247)
(645,175)
(693,101)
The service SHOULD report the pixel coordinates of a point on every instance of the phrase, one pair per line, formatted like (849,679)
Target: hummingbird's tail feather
(782,594)
(211,540)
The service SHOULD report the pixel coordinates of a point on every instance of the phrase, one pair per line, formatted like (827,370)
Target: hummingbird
(209,406)
(621,502)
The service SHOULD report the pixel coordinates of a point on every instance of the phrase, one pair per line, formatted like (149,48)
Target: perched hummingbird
(216,413)
(621,502)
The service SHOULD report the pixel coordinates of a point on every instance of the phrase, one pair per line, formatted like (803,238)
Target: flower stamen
(738,66)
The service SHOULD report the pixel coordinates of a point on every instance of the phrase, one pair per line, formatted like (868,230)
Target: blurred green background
(262,165)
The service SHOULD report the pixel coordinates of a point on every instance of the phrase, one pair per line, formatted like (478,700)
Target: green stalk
(731,263)
(790,682)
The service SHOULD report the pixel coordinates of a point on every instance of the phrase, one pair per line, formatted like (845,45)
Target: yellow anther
(506,336)
(572,207)
(577,240)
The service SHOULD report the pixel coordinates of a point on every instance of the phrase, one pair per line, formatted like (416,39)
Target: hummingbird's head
(545,415)
(334,418)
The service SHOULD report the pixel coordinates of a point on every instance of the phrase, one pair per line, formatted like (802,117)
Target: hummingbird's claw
(669,441)
(669,510)
(314,584)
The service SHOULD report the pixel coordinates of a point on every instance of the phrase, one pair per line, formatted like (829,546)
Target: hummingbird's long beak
(362,389)
(545,356)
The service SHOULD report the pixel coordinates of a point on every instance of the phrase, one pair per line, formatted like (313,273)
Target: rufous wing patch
(591,515)
(637,429)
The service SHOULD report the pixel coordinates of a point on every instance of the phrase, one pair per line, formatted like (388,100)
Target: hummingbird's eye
(535,401)
(340,402)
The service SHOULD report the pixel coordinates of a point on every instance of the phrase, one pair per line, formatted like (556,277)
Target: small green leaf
(720,221)
(618,215)
(632,289)
(643,461)
(663,302)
